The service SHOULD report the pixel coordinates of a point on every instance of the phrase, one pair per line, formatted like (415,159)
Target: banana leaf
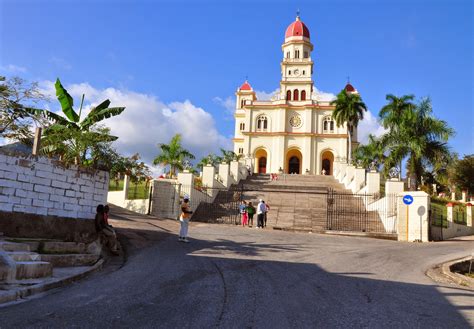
(66,102)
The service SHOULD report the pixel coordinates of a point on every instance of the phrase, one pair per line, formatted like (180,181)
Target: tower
(296,67)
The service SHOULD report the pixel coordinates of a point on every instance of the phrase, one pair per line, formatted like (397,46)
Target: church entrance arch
(327,161)
(294,160)
(261,160)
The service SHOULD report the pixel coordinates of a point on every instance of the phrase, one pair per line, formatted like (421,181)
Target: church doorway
(294,165)
(327,163)
(261,160)
(293,162)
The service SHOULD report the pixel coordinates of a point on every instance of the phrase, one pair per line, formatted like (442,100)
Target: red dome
(349,88)
(245,86)
(297,29)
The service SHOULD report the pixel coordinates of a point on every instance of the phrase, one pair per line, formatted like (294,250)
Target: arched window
(297,54)
(241,150)
(303,95)
(328,125)
(295,95)
(289,72)
(304,72)
(287,54)
(262,123)
(288,95)
(306,55)
(242,103)
(242,126)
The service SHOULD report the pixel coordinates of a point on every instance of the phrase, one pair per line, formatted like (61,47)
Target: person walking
(250,213)
(184,219)
(261,208)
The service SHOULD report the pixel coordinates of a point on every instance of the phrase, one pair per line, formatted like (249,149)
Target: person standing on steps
(184,219)
(261,209)
(250,213)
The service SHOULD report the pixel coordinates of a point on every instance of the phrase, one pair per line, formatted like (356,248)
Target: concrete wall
(166,198)
(45,187)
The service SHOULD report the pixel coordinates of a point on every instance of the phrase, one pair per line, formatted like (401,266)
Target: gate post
(417,220)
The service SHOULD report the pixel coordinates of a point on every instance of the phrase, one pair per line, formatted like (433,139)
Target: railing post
(469,214)
(450,209)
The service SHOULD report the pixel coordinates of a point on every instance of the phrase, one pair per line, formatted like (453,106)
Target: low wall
(455,230)
(47,227)
(43,186)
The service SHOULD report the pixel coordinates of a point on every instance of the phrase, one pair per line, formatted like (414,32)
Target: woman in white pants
(184,220)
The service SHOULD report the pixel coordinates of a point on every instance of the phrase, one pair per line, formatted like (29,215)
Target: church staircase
(297,202)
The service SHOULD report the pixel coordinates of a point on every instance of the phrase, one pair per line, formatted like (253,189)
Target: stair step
(68,260)
(24,256)
(13,246)
(33,270)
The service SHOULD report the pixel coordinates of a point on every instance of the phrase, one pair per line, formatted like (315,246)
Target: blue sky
(183,60)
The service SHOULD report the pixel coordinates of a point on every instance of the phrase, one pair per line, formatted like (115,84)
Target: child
(243,212)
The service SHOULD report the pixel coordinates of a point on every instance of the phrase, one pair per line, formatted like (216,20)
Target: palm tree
(373,151)
(173,155)
(350,110)
(419,137)
(228,156)
(392,115)
(69,137)
(210,159)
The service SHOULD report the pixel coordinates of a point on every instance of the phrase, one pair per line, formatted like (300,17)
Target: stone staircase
(297,202)
(25,259)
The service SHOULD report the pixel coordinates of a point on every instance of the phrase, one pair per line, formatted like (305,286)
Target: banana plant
(68,136)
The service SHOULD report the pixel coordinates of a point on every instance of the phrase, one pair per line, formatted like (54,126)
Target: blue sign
(407,199)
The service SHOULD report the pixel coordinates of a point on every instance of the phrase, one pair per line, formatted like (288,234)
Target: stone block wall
(43,186)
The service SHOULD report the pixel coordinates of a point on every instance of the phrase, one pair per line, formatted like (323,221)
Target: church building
(293,132)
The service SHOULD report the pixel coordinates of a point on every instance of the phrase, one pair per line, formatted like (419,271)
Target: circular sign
(407,199)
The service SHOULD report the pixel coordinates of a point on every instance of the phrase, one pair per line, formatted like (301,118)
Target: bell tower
(297,67)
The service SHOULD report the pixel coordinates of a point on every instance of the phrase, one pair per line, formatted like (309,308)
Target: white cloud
(10,68)
(323,96)
(369,125)
(147,121)
(264,96)
(227,103)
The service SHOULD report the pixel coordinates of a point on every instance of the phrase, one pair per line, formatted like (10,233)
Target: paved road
(231,277)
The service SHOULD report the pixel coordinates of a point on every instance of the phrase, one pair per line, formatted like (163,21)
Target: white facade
(293,132)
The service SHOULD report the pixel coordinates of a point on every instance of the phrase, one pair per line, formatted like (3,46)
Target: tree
(463,176)
(70,138)
(17,99)
(393,115)
(210,159)
(173,155)
(229,156)
(373,151)
(420,138)
(349,110)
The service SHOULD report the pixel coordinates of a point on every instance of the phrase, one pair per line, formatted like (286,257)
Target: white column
(224,174)
(359,178)
(208,174)
(342,171)
(373,182)
(349,175)
(464,196)
(469,214)
(234,171)
(393,186)
(449,209)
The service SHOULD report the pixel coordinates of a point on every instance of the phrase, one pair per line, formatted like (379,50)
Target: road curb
(443,271)
(42,287)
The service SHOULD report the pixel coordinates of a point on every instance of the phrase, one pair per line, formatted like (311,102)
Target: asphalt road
(232,277)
